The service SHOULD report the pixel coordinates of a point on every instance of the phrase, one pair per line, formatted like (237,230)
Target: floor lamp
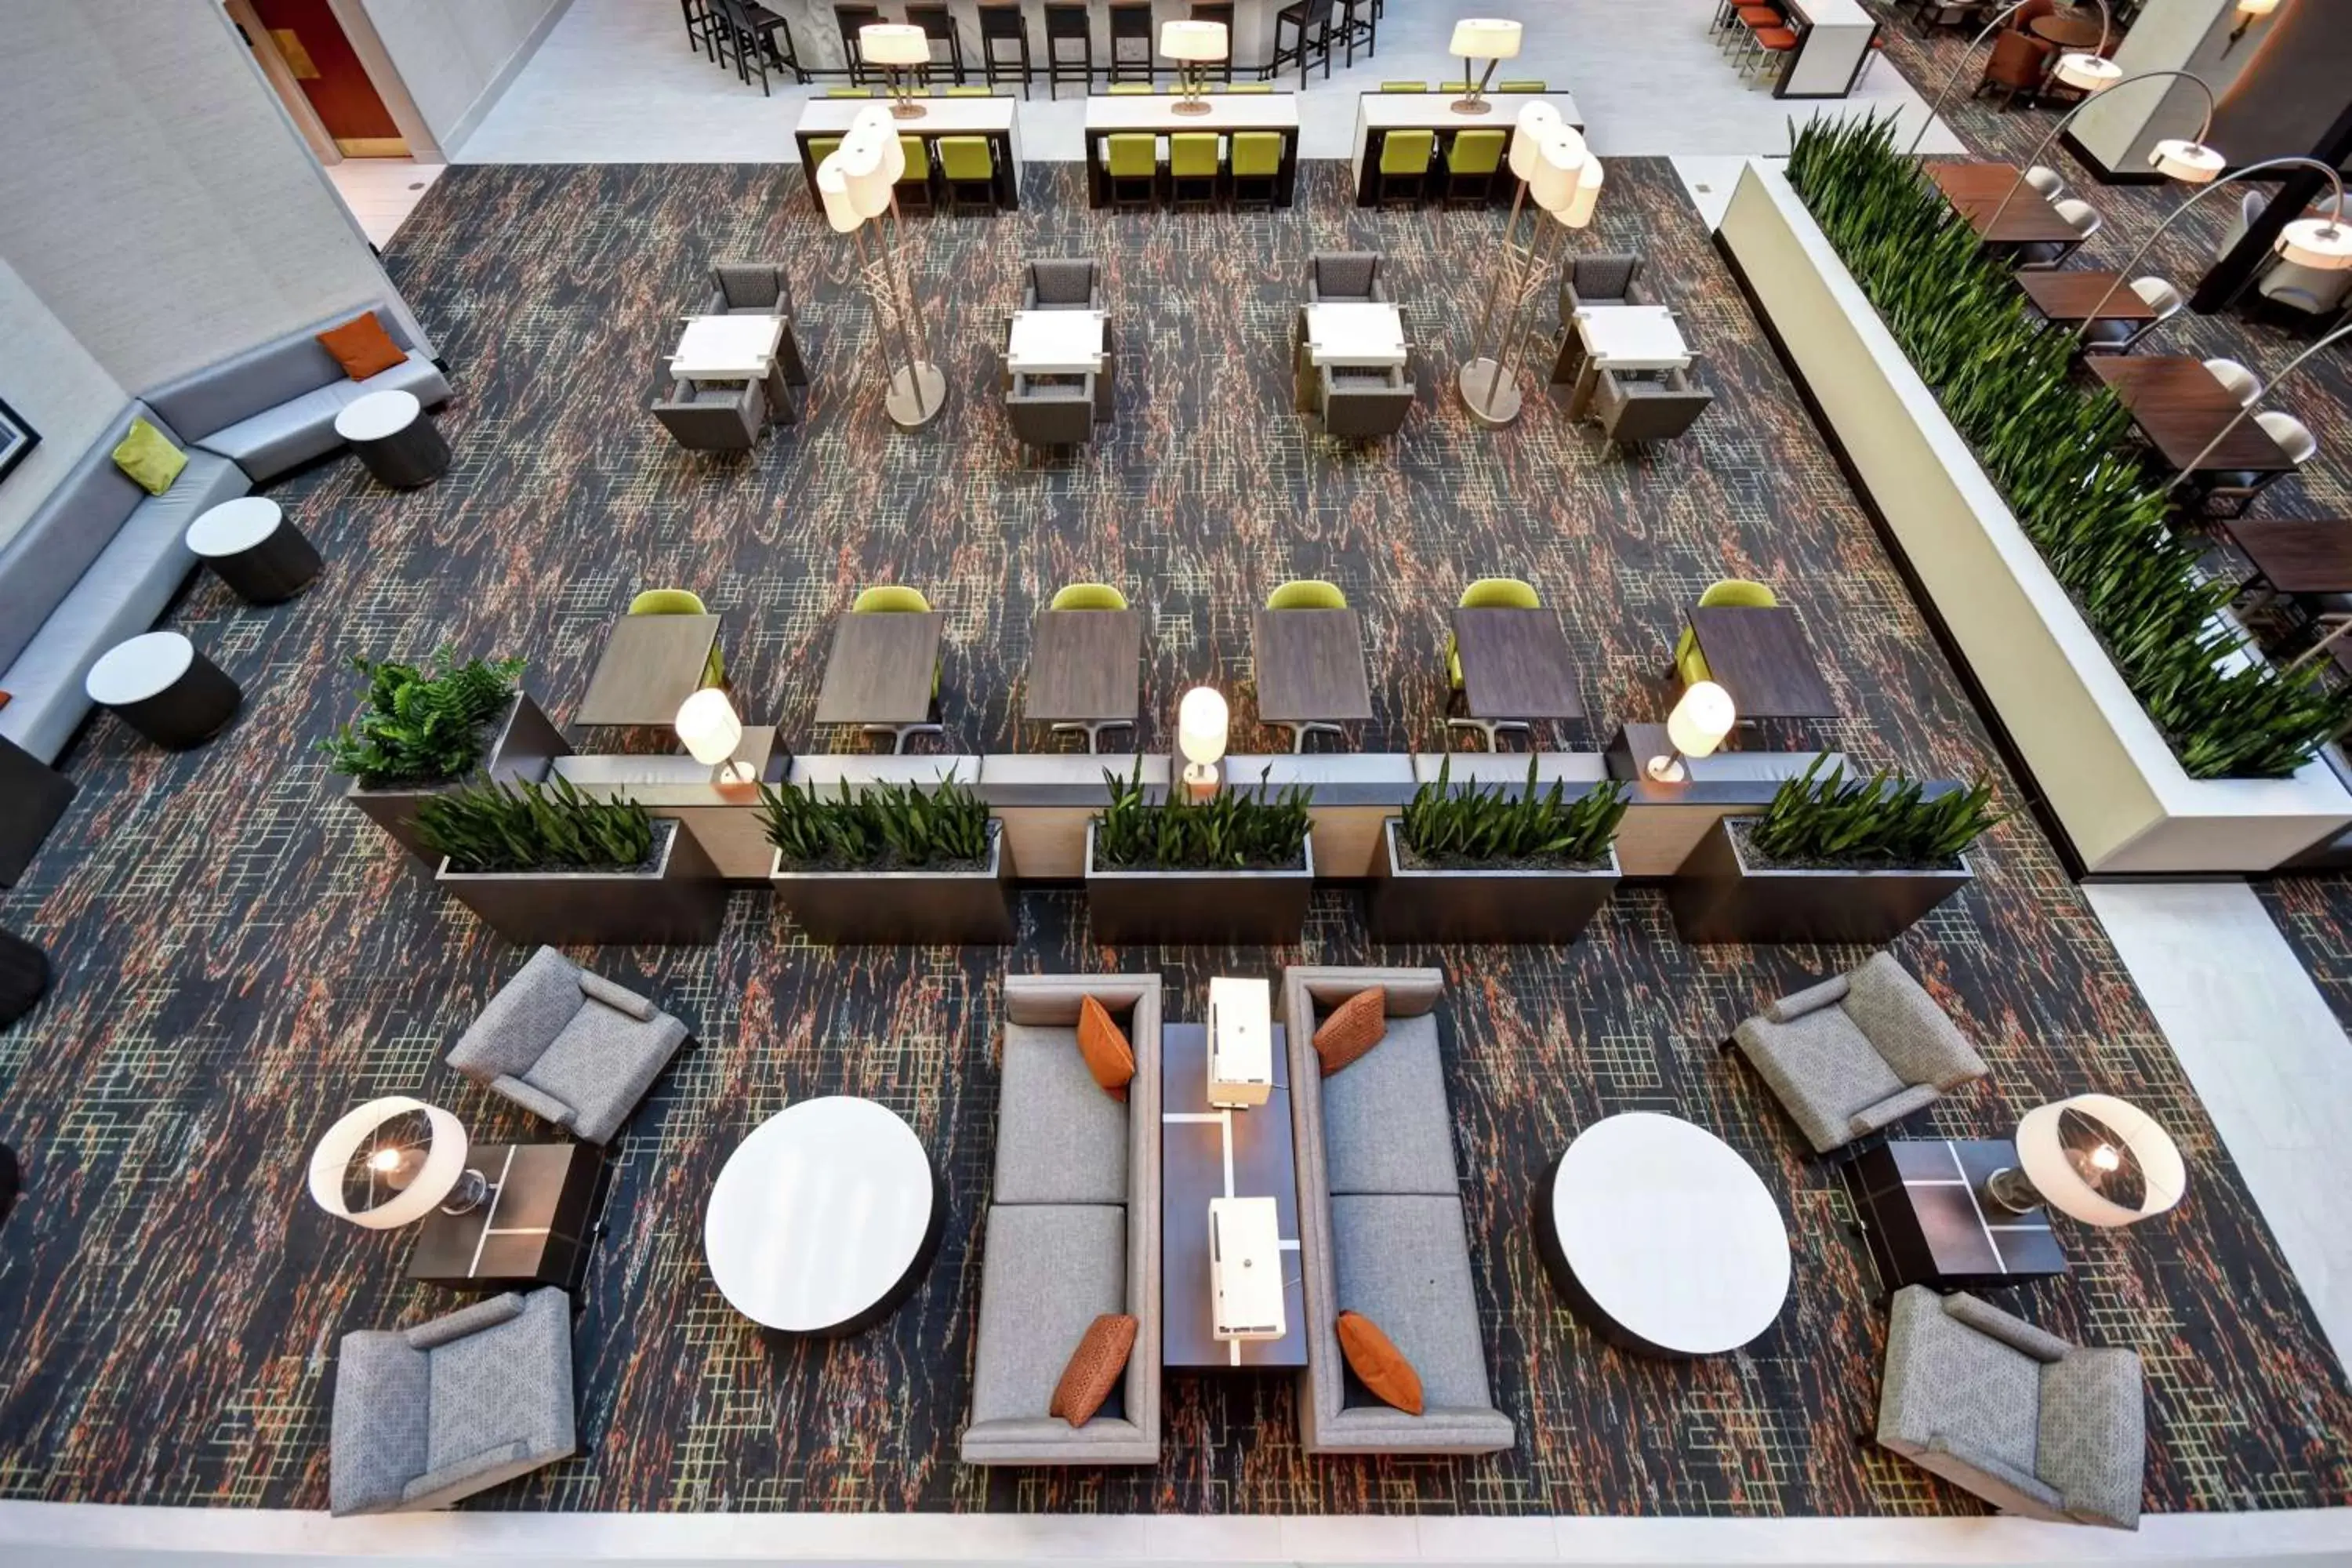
(857,183)
(2282,244)
(2330,251)
(2197,166)
(1551,160)
(2072,74)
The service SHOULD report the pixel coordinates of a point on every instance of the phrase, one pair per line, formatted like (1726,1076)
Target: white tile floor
(382,192)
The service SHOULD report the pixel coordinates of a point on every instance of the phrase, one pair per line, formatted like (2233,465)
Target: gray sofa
(99,563)
(1380,1225)
(273,407)
(439,1412)
(1073,1229)
(2012,1412)
(569,1045)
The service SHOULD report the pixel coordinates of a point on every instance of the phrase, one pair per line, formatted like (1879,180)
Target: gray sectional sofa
(1073,1228)
(1381,1227)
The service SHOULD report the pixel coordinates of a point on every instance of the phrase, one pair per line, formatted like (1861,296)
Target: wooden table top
(2071,296)
(1975,190)
(881,669)
(1515,664)
(2067,32)
(2296,555)
(1310,666)
(651,664)
(1084,665)
(2179,406)
(1761,657)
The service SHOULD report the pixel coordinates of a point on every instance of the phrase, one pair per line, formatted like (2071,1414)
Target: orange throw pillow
(1375,1360)
(1355,1027)
(1104,1045)
(361,347)
(1095,1368)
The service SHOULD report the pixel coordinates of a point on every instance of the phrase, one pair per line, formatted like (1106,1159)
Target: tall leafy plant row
(525,827)
(2052,447)
(1231,831)
(1484,824)
(880,827)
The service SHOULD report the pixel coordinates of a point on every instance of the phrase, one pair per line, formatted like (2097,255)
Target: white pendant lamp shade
(1578,212)
(869,181)
(2191,163)
(1701,719)
(1536,120)
(1194,40)
(2100,1160)
(708,724)
(1200,725)
(2317,242)
(832,190)
(405,1178)
(1485,39)
(2092,73)
(894,44)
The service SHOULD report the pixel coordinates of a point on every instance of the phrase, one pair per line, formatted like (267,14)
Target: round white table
(394,437)
(251,547)
(824,1219)
(1663,1237)
(162,686)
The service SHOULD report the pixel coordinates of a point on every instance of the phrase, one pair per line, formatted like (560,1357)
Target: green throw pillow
(149,456)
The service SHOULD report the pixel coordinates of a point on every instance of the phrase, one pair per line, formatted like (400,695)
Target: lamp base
(1473,105)
(918,393)
(907,109)
(1189,106)
(2010,1189)
(733,771)
(1200,780)
(472,1190)
(1667,770)
(1473,382)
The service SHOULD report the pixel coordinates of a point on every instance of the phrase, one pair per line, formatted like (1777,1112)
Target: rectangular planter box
(677,901)
(522,742)
(1718,897)
(1262,908)
(902,907)
(1409,904)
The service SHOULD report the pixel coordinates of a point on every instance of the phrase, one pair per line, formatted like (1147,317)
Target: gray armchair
(1052,411)
(1363,405)
(1340,275)
(758,289)
(1593,280)
(713,419)
(1063,283)
(439,1412)
(1633,410)
(1857,1052)
(2032,1424)
(570,1046)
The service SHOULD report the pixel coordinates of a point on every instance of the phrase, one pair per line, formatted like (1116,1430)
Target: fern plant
(526,827)
(1886,820)
(421,726)
(880,827)
(1229,831)
(1487,824)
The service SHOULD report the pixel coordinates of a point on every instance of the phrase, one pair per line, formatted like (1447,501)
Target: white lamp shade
(1579,211)
(2063,1147)
(2192,163)
(872,119)
(1558,161)
(894,44)
(1194,40)
(1200,725)
(2092,73)
(444,1164)
(708,724)
(2256,7)
(869,181)
(1701,719)
(832,190)
(1537,120)
(1485,39)
(2316,242)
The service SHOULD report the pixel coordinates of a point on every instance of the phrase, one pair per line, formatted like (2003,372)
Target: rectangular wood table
(1156,114)
(882,669)
(534,1229)
(2071,296)
(1975,190)
(995,119)
(1515,664)
(651,664)
(1926,1222)
(1761,657)
(1207,1152)
(2180,406)
(2296,555)
(1085,667)
(1311,666)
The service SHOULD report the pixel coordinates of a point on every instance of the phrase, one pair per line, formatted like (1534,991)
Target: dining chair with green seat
(1404,86)
(969,171)
(682,602)
(1133,158)
(1486,594)
(820,148)
(1130,89)
(1193,161)
(1089,597)
(1404,156)
(1252,86)
(972,92)
(895,599)
(914,186)
(1255,156)
(1522,86)
(1730,593)
(849,92)
(1474,156)
(1307,594)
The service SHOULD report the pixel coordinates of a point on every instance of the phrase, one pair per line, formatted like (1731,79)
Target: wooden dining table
(1084,668)
(883,669)
(1516,665)
(2296,555)
(2180,406)
(1976,191)
(650,666)
(1761,657)
(1311,667)
(2074,296)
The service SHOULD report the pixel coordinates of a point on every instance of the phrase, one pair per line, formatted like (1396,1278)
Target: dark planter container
(522,742)
(1718,897)
(677,901)
(902,907)
(1411,904)
(1251,907)
(24,976)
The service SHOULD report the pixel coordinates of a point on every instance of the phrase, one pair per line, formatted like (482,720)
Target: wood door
(313,44)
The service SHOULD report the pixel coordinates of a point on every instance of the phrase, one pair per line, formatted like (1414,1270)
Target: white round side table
(394,437)
(162,686)
(251,547)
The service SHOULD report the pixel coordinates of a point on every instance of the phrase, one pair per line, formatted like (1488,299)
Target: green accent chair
(914,186)
(1089,597)
(1486,594)
(681,602)
(820,149)
(1689,662)
(1404,156)
(892,599)
(1255,157)
(1404,86)
(1306,594)
(1474,156)
(968,170)
(1132,158)
(1194,162)
(1522,85)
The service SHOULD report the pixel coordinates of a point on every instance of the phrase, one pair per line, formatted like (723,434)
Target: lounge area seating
(570,1046)
(1073,1228)
(714,418)
(2033,1424)
(427,1416)
(1635,410)
(762,288)
(1857,1053)
(1380,1225)
(1586,283)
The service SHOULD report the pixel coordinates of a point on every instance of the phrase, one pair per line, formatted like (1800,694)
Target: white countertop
(1435,111)
(727,348)
(1226,111)
(1055,342)
(940,117)
(1356,334)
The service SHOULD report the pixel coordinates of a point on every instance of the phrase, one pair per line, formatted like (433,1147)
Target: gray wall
(55,387)
(456,56)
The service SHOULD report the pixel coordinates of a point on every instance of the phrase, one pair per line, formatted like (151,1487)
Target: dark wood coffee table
(2072,296)
(1926,1220)
(1761,656)
(2180,406)
(1193,1169)
(1311,666)
(1976,191)
(2067,32)
(1515,664)
(535,1229)
(1086,668)
(883,669)
(651,665)
(2296,555)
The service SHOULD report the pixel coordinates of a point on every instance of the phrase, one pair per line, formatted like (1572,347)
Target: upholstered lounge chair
(570,1046)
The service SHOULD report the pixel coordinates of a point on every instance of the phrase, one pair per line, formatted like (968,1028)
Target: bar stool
(1404,156)
(1134,156)
(1771,43)
(1256,157)
(1192,159)
(1473,155)
(1131,40)
(1219,70)
(914,186)
(849,18)
(1749,15)
(966,165)
(946,44)
(1309,22)
(1005,45)
(1067,24)
(1359,23)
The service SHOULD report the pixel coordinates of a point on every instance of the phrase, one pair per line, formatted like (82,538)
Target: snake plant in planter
(881,862)
(1832,858)
(424,730)
(1237,866)
(1492,863)
(546,863)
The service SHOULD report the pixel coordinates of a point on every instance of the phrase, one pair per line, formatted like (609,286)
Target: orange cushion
(1095,1368)
(1376,1360)
(1104,1045)
(361,347)
(1355,1027)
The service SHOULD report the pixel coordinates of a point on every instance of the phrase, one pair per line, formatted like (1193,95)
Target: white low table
(824,1219)
(162,686)
(394,437)
(1662,1237)
(727,348)
(1626,338)
(1055,342)
(251,547)
(1367,336)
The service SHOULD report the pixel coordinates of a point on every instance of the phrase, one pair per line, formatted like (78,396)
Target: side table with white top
(162,686)
(1063,343)
(1624,338)
(394,437)
(251,546)
(1356,334)
(724,350)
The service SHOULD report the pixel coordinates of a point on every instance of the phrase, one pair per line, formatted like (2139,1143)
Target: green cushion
(1404,86)
(966,158)
(1475,153)
(1739,593)
(1192,153)
(821,148)
(667,602)
(1132,89)
(1499,594)
(1521,86)
(849,92)
(147,455)
(1245,87)
(919,159)
(888,599)
(1257,153)
(1089,597)
(1133,157)
(972,92)
(1307,594)
(1407,152)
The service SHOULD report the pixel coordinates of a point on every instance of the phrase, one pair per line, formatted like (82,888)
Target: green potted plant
(1235,867)
(1832,859)
(544,863)
(890,863)
(1494,863)
(425,729)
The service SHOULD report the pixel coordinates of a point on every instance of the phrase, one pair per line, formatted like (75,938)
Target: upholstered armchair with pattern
(2030,1423)
(570,1046)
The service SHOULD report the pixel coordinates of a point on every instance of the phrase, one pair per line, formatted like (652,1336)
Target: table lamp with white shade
(708,725)
(1201,718)
(898,48)
(1192,44)
(1487,39)
(2095,1158)
(392,1162)
(1701,719)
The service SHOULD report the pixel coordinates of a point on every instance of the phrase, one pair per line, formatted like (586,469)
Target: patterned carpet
(242,959)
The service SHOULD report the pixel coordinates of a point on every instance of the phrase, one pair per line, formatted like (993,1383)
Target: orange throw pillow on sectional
(1376,1360)
(1355,1027)
(361,347)
(1104,1045)
(1095,1368)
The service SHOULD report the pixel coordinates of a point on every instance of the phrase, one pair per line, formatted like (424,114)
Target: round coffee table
(824,1219)
(251,547)
(162,686)
(2067,32)
(394,437)
(1662,1237)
